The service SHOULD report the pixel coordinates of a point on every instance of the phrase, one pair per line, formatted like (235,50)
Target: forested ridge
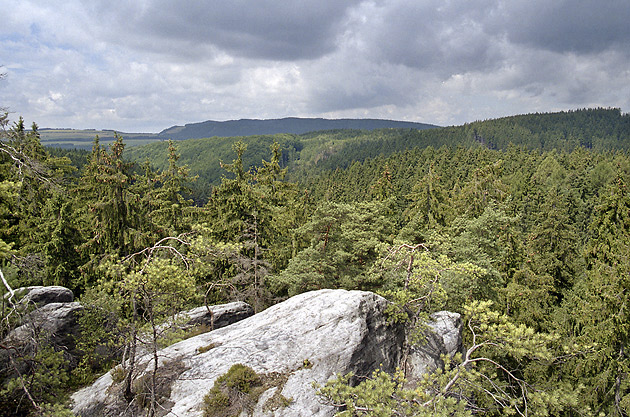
(309,154)
(521,224)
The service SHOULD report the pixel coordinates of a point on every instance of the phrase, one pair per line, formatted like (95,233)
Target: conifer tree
(233,203)
(104,188)
(428,209)
(595,314)
(344,240)
(168,208)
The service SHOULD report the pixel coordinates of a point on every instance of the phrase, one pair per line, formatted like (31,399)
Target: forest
(521,224)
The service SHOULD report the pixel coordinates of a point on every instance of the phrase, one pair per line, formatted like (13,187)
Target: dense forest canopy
(309,154)
(522,223)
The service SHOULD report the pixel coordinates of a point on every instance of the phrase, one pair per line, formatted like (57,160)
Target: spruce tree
(595,314)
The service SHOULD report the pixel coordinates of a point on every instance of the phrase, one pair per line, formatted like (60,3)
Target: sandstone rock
(54,322)
(333,331)
(40,296)
(443,337)
(448,326)
(53,325)
(215,317)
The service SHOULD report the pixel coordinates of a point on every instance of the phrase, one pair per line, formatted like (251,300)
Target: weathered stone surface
(443,337)
(54,322)
(335,331)
(47,316)
(54,325)
(449,327)
(43,295)
(217,316)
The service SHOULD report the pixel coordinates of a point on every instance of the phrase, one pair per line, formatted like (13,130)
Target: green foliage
(376,396)
(204,156)
(105,184)
(251,218)
(239,389)
(62,237)
(420,283)
(118,374)
(312,154)
(56,410)
(29,178)
(240,377)
(475,383)
(530,212)
(204,349)
(43,374)
(8,195)
(105,322)
(235,391)
(168,209)
(343,241)
(594,315)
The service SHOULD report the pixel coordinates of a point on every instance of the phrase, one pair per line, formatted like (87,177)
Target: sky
(146,65)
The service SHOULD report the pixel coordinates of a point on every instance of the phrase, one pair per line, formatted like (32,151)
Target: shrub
(235,391)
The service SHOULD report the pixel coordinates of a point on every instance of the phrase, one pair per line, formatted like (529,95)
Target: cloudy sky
(145,65)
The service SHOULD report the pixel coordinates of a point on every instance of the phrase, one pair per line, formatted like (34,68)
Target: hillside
(310,154)
(295,125)
(82,138)
(521,225)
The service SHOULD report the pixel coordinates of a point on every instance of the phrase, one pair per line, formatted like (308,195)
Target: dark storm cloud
(451,37)
(267,29)
(581,27)
(447,37)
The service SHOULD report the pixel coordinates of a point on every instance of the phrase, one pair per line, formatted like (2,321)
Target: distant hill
(294,125)
(309,154)
(83,138)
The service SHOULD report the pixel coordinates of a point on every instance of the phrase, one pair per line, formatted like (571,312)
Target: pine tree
(486,380)
(344,240)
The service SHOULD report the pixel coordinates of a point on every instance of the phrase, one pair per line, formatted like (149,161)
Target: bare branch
(23,384)
(148,252)
(24,162)
(8,287)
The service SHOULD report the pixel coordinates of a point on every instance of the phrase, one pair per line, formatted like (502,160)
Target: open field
(83,138)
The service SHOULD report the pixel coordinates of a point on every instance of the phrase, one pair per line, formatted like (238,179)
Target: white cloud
(149,64)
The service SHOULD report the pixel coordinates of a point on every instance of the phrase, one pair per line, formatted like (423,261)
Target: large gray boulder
(54,323)
(40,295)
(46,316)
(308,338)
(217,316)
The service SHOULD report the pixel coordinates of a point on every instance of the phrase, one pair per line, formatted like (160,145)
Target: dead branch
(148,252)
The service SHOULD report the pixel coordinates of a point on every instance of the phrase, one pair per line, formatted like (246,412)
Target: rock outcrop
(40,295)
(48,316)
(55,322)
(304,340)
(442,337)
(308,338)
(217,316)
